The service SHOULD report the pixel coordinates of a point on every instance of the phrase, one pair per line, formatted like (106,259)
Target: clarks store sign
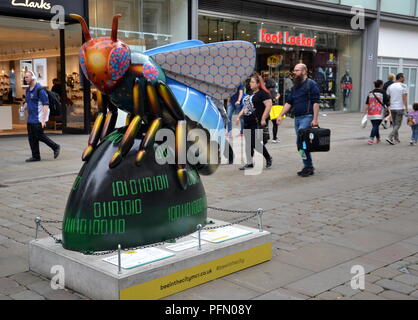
(286,39)
(32,4)
(40,9)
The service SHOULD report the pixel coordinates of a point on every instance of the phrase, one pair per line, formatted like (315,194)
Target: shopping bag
(364,122)
(275,112)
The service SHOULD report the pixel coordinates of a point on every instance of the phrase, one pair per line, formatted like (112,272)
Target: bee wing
(216,69)
(174,46)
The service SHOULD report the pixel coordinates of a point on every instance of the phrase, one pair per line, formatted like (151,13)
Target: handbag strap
(378,100)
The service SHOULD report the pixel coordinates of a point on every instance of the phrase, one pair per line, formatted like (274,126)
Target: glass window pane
(145,24)
(385,72)
(394,70)
(368,4)
(405,7)
(412,85)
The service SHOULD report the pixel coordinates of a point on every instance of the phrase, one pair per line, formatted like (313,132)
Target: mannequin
(346,85)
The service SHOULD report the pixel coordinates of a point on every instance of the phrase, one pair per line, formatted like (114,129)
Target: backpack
(54,102)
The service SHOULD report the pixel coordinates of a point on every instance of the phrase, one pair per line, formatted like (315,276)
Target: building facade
(319,33)
(383,46)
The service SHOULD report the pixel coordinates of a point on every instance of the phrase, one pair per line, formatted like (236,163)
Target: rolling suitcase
(314,139)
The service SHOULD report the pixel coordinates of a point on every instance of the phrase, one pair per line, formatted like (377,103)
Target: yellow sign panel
(191,277)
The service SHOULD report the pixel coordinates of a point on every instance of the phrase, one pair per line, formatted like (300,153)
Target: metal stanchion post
(37,222)
(199,230)
(260,218)
(119,260)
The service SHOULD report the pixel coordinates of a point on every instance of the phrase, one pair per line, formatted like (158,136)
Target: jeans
(304,122)
(275,128)
(36,134)
(375,129)
(414,136)
(253,139)
(397,116)
(230,111)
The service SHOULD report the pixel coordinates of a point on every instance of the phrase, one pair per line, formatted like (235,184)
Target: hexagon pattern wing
(215,69)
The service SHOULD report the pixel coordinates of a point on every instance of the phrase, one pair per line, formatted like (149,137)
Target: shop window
(405,7)
(145,24)
(333,59)
(25,45)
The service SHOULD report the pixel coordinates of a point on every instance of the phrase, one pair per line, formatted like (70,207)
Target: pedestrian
(413,119)
(235,105)
(56,87)
(275,96)
(391,80)
(398,93)
(376,104)
(304,99)
(255,112)
(37,105)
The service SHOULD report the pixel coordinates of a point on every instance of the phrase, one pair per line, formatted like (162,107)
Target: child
(413,122)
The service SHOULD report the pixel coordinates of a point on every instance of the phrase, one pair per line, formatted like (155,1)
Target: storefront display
(327,54)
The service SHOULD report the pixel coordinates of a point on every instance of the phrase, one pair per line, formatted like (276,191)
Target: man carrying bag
(304,99)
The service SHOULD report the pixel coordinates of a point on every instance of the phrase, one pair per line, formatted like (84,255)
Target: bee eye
(119,62)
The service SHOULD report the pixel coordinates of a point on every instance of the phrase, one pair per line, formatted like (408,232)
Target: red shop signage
(286,39)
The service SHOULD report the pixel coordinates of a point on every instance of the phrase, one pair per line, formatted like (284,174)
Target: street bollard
(119,260)
(199,230)
(260,212)
(37,222)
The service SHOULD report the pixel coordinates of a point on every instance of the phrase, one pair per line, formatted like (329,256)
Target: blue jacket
(299,98)
(36,99)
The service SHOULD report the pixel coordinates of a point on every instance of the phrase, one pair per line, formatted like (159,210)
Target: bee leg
(131,132)
(148,140)
(97,129)
(177,113)
(110,121)
(155,109)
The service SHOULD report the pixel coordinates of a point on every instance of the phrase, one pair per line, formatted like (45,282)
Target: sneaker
(269,163)
(371,142)
(390,141)
(32,159)
(247,166)
(275,140)
(57,152)
(306,172)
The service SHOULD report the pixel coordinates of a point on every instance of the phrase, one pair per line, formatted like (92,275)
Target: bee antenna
(115,27)
(84,26)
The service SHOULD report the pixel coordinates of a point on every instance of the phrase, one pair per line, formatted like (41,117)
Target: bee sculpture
(122,194)
(173,86)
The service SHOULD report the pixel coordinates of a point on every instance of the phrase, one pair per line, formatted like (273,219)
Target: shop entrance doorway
(32,45)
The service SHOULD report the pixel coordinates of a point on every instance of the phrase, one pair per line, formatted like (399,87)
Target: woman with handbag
(256,111)
(376,110)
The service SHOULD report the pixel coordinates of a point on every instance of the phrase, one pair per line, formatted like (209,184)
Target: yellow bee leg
(110,121)
(127,142)
(131,132)
(97,129)
(170,101)
(181,134)
(148,140)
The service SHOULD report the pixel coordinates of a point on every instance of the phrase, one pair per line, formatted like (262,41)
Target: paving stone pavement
(358,209)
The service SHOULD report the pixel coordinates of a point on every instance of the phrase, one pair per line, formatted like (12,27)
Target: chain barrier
(255,213)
